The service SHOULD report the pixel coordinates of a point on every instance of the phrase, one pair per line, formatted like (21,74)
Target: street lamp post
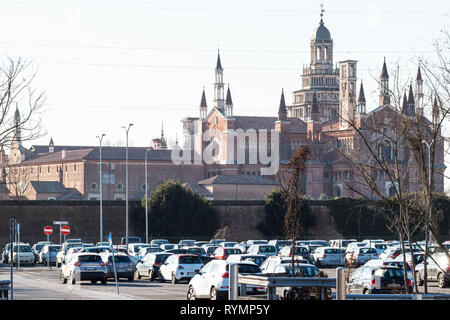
(146,200)
(101,185)
(126,186)
(428,234)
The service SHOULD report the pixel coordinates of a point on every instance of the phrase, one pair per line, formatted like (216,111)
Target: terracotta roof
(237,179)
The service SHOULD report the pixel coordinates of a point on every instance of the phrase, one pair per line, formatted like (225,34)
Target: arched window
(337,191)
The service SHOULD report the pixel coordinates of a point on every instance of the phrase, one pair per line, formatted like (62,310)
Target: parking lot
(39,283)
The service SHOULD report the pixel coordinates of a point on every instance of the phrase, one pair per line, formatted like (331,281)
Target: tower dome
(321,34)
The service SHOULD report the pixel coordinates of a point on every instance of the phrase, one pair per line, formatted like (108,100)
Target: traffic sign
(65,230)
(48,230)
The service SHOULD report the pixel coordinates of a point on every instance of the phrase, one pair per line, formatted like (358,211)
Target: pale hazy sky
(104,64)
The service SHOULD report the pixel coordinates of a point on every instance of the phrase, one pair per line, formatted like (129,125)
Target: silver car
(48,253)
(125,268)
(83,266)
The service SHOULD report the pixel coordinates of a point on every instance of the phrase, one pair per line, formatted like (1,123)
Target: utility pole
(101,185)
(126,187)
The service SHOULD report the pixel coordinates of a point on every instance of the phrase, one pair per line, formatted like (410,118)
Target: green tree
(176,211)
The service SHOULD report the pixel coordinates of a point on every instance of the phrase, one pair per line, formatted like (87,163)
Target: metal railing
(271,282)
(4,289)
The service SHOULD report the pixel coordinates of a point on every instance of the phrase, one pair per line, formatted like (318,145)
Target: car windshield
(307,271)
(267,249)
(22,248)
(300,250)
(367,250)
(89,258)
(257,260)
(38,247)
(346,242)
(189,260)
(196,251)
(389,273)
(380,246)
(139,247)
(160,258)
(399,265)
(259,242)
(119,259)
(233,251)
(55,248)
(332,251)
(246,268)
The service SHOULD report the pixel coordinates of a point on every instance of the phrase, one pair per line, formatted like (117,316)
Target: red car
(223,253)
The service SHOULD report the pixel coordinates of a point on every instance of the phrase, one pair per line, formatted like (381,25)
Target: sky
(105,64)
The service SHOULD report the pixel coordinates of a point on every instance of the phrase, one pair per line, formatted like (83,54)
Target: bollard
(341,284)
(233,285)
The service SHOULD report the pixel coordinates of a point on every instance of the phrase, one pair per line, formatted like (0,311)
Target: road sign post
(18,247)
(114,264)
(48,230)
(60,223)
(12,228)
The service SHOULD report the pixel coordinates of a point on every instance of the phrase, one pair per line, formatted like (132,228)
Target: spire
(405,104)
(228,101)
(203,102)
(282,113)
(384,73)
(410,95)
(419,75)
(163,140)
(435,110)
(322,10)
(219,64)
(361,97)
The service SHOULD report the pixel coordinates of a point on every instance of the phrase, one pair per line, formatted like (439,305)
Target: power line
(252,10)
(84,46)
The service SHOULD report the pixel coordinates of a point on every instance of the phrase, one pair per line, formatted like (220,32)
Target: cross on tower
(322,10)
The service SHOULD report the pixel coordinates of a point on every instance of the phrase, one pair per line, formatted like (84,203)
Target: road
(40,283)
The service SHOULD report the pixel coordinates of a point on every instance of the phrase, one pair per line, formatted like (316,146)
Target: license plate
(393,285)
(91,268)
(189,273)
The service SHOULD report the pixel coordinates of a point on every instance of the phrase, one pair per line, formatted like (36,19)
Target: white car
(48,253)
(360,255)
(212,282)
(379,247)
(83,266)
(341,243)
(133,248)
(389,263)
(264,249)
(329,256)
(270,264)
(228,244)
(179,267)
(256,258)
(22,252)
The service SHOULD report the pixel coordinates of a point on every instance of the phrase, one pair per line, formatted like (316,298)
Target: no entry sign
(48,230)
(65,230)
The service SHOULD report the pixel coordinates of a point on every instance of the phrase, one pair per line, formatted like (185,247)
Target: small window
(120,187)
(143,187)
(94,186)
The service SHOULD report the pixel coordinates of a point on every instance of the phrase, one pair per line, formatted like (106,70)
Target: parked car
(179,267)
(328,256)
(159,242)
(102,244)
(48,253)
(210,251)
(146,250)
(340,243)
(377,279)
(216,241)
(73,240)
(378,246)
(228,244)
(21,251)
(251,242)
(280,244)
(390,262)
(318,242)
(360,255)
(373,241)
(201,243)
(83,266)
(206,259)
(223,253)
(418,258)
(212,281)
(149,265)
(297,251)
(5,253)
(133,248)
(99,249)
(264,249)
(352,245)
(120,248)
(186,242)
(268,266)
(169,246)
(130,240)
(37,247)
(125,268)
(255,258)
(285,270)
(70,252)
(243,246)
(436,271)
(394,252)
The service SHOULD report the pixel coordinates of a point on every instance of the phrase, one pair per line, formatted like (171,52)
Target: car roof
(297,264)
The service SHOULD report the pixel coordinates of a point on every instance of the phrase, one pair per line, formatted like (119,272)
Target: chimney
(63,154)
